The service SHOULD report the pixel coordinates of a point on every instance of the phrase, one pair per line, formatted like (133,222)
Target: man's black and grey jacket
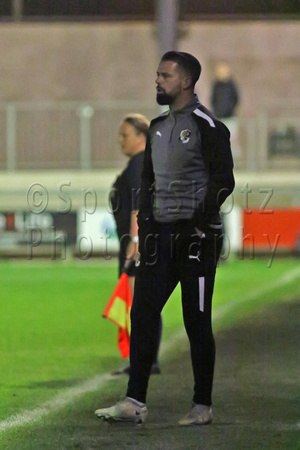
(188,167)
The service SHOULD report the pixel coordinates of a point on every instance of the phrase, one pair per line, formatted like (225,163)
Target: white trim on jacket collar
(199,113)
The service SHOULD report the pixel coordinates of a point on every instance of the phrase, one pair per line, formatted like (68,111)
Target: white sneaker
(127,410)
(198,415)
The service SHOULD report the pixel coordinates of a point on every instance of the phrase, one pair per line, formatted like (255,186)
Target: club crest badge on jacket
(185,136)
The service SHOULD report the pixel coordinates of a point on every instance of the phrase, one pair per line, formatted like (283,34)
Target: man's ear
(187,82)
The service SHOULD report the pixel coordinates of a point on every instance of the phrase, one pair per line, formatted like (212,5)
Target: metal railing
(63,135)
(84,135)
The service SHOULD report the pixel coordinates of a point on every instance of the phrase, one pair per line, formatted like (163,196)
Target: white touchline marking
(58,402)
(286,278)
(97,382)
(220,311)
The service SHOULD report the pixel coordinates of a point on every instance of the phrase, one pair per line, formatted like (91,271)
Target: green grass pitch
(53,336)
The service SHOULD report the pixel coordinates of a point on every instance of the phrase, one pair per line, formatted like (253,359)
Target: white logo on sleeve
(185,136)
(158,133)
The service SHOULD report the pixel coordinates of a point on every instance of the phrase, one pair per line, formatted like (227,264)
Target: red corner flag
(118,311)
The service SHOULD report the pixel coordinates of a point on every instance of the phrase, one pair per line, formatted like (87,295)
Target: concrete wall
(76,61)
(117,62)
(264,57)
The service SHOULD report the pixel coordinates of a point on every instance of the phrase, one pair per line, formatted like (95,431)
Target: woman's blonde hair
(139,122)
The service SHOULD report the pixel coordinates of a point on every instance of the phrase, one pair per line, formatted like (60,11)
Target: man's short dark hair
(187,62)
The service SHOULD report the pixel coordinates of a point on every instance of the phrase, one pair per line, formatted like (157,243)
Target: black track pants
(175,256)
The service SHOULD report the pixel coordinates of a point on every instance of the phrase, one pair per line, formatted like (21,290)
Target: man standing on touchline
(187,175)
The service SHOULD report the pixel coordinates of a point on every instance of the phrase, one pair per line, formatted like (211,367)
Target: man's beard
(164,99)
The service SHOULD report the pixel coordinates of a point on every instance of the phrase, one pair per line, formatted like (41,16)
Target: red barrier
(264,229)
